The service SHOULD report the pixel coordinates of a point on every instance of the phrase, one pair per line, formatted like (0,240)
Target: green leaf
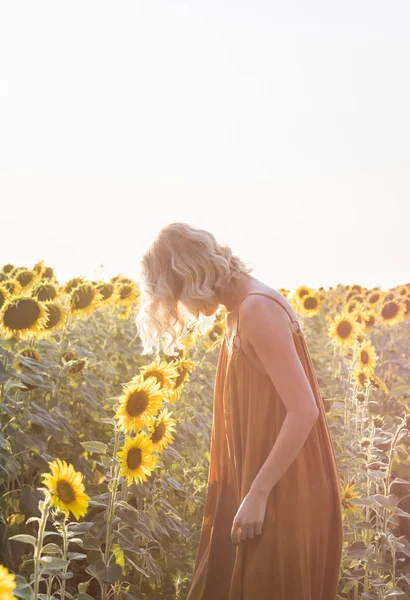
(136,567)
(399,480)
(4,444)
(76,555)
(52,548)
(106,420)
(91,543)
(31,519)
(100,571)
(388,502)
(358,550)
(175,484)
(77,541)
(54,562)
(95,447)
(25,539)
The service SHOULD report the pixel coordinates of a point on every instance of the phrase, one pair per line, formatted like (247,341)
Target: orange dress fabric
(298,554)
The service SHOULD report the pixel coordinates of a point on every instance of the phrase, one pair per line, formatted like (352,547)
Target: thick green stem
(65,552)
(39,545)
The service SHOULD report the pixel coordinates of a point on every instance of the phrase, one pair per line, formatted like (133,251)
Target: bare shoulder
(257,309)
(266,327)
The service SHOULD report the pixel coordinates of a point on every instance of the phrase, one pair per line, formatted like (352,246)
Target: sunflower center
(134,458)
(364,357)
(390,310)
(157,374)
(22,314)
(25,277)
(310,302)
(181,376)
(65,491)
(106,290)
(54,315)
(344,329)
(82,297)
(374,298)
(158,433)
(125,291)
(137,403)
(45,292)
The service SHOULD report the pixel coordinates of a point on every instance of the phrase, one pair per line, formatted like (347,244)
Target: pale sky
(281,127)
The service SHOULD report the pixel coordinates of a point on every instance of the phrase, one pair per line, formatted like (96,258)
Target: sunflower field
(104,454)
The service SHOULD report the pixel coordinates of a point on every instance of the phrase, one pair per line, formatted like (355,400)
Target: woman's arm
(266,327)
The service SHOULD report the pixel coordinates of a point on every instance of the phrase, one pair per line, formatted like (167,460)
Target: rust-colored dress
(298,554)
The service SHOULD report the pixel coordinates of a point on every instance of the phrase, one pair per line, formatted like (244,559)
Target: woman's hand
(250,517)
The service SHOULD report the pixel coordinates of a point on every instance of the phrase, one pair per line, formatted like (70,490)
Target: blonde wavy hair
(180,273)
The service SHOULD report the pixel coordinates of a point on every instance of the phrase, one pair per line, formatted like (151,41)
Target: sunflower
(7,584)
(184,367)
(344,329)
(374,296)
(365,441)
(126,296)
(84,299)
(26,353)
(361,377)
(79,364)
(44,291)
(22,317)
(49,274)
(66,488)
(361,314)
(8,268)
(72,284)
(301,292)
(161,429)
(12,286)
(392,312)
(378,420)
(5,295)
(367,356)
(127,292)
(165,373)
(139,403)
(403,291)
(310,304)
(355,287)
(44,272)
(56,318)
(352,306)
(39,267)
(348,492)
(26,278)
(378,383)
(370,320)
(106,290)
(137,459)
(214,335)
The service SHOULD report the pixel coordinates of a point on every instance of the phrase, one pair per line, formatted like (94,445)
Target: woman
(272,525)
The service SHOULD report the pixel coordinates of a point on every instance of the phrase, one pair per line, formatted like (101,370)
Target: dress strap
(272,298)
